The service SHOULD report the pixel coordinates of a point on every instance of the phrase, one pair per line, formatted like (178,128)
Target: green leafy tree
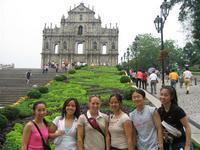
(145,51)
(190,14)
(191,54)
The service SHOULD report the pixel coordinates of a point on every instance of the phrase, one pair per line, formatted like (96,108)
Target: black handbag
(45,145)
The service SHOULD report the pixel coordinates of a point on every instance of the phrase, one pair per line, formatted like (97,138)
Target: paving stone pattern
(189,102)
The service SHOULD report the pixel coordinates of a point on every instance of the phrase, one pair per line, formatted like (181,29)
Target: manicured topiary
(3,121)
(25,113)
(72,71)
(124,79)
(43,89)
(121,73)
(60,78)
(128,93)
(34,94)
(119,67)
(78,67)
(10,112)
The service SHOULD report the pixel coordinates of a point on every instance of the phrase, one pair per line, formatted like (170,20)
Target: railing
(7,66)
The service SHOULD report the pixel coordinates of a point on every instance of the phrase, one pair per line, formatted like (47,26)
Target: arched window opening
(64,45)
(47,45)
(80,30)
(113,45)
(56,49)
(104,49)
(80,48)
(95,45)
(81,17)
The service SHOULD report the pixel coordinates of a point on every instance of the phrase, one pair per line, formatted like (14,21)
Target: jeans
(173,83)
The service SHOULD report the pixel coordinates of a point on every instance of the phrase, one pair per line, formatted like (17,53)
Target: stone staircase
(13,83)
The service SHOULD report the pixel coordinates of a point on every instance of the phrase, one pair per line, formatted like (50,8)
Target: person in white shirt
(187,76)
(153,81)
(64,128)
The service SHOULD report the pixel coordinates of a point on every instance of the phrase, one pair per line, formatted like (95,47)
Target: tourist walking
(120,126)
(139,77)
(36,131)
(144,80)
(147,123)
(93,127)
(187,76)
(64,128)
(172,116)
(153,82)
(173,77)
(132,75)
(28,76)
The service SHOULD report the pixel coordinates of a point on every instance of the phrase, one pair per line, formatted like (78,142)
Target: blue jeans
(173,83)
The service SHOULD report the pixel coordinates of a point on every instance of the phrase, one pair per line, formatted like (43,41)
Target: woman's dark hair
(77,111)
(37,103)
(140,91)
(118,97)
(173,94)
(34,108)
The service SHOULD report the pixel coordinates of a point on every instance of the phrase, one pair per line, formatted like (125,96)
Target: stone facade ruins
(80,38)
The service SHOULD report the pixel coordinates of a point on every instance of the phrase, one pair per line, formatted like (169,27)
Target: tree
(191,54)
(190,12)
(145,52)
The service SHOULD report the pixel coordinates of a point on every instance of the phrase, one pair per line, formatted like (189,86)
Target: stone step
(13,83)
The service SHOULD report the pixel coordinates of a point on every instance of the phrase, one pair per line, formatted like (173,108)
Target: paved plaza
(189,102)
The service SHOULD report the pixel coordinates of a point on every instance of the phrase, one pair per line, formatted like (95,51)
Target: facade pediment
(81,8)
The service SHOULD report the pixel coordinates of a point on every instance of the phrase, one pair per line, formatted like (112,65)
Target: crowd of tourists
(145,128)
(143,78)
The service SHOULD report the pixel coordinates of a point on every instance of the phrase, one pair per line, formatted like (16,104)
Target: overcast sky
(22,22)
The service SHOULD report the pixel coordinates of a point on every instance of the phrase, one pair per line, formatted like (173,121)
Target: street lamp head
(165,7)
(157,22)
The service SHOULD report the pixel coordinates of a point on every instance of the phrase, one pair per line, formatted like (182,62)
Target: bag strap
(39,132)
(97,128)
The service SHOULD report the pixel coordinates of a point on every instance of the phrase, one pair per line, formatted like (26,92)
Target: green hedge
(3,121)
(121,73)
(10,112)
(60,78)
(124,79)
(72,71)
(43,89)
(34,94)
(14,138)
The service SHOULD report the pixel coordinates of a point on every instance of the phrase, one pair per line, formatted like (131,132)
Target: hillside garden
(80,83)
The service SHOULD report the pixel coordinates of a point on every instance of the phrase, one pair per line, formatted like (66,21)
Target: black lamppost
(124,57)
(159,24)
(136,51)
(121,60)
(128,54)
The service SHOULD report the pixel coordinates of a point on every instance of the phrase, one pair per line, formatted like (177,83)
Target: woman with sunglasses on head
(171,114)
(120,126)
(93,127)
(31,139)
(147,123)
(64,127)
